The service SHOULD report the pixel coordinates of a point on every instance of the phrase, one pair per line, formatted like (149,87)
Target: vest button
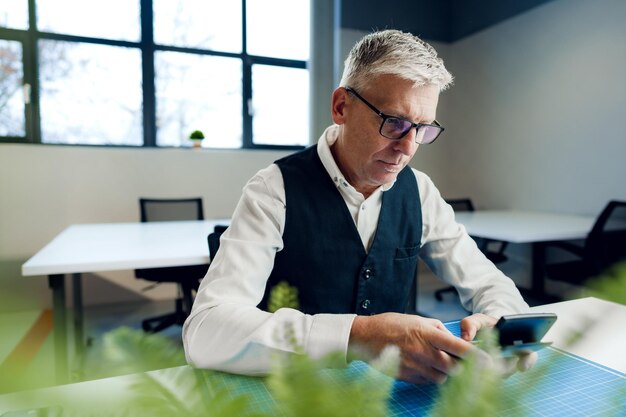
(365,304)
(367,274)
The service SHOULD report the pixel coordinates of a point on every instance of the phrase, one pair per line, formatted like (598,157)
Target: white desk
(602,343)
(600,325)
(525,226)
(108,247)
(536,228)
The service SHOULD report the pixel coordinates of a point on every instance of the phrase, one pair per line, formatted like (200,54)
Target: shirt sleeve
(455,258)
(225,330)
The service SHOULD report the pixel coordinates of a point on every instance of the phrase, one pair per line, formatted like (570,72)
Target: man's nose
(407,145)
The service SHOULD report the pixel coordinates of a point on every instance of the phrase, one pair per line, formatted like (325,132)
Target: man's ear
(339,101)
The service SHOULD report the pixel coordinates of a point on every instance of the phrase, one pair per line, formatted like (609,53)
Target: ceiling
(435,20)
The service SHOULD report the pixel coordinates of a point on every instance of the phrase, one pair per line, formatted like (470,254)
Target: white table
(536,228)
(108,247)
(600,325)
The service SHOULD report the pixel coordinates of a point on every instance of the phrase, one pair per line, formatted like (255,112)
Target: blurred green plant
(283,295)
(299,385)
(305,387)
(610,286)
(125,351)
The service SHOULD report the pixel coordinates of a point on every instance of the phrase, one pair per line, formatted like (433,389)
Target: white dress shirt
(226,331)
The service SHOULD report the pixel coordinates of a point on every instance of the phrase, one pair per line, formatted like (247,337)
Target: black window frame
(30,38)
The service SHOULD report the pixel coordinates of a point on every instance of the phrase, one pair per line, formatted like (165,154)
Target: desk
(108,247)
(536,228)
(406,399)
(603,339)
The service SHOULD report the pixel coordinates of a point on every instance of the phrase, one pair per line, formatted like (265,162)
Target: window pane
(270,33)
(111,19)
(12,119)
(90,94)
(198,92)
(14,14)
(281,105)
(205,24)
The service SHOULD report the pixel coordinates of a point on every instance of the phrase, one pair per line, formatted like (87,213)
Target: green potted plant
(196,138)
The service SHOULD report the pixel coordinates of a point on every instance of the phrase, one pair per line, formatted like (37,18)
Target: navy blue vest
(323,255)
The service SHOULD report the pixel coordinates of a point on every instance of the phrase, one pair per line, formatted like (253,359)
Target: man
(344,222)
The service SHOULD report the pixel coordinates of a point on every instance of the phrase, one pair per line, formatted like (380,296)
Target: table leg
(57,285)
(79,345)
(538,260)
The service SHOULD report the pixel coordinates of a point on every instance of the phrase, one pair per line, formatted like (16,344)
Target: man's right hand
(428,351)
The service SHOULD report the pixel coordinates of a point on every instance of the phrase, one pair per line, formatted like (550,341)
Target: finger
(527,361)
(508,366)
(413,379)
(418,373)
(440,326)
(443,362)
(472,324)
(450,344)
(469,328)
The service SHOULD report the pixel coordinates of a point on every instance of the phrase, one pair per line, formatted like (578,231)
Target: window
(110,19)
(89,94)
(12,107)
(198,92)
(14,14)
(149,72)
(292,119)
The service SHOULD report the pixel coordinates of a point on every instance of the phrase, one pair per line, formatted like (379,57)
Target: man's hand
(522,361)
(428,351)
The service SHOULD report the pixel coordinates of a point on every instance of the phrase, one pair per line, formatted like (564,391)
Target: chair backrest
(214,239)
(606,242)
(170,209)
(461,204)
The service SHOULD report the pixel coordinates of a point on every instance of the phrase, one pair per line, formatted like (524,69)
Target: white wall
(536,117)
(44,189)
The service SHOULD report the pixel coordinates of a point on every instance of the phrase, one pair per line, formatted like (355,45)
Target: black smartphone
(523,332)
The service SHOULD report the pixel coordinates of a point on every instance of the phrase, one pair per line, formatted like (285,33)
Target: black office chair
(493,249)
(604,246)
(213,239)
(187,277)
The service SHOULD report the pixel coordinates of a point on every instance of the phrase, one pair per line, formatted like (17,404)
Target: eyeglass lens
(395,128)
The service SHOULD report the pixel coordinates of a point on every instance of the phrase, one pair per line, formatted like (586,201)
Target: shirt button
(363,207)
(365,304)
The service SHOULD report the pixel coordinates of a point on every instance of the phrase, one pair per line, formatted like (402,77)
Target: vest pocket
(407,253)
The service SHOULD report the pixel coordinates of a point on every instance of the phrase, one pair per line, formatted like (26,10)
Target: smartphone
(520,333)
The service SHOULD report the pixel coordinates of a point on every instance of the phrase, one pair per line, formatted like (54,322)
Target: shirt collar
(328,138)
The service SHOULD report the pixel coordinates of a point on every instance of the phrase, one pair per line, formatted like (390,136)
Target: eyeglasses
(394,127)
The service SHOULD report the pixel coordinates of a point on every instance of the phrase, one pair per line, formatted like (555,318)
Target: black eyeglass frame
(385,117)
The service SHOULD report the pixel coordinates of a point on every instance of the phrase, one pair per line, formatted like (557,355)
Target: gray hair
(395,53)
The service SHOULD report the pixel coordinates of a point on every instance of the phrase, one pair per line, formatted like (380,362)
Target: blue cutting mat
(570,387)
(567,386)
